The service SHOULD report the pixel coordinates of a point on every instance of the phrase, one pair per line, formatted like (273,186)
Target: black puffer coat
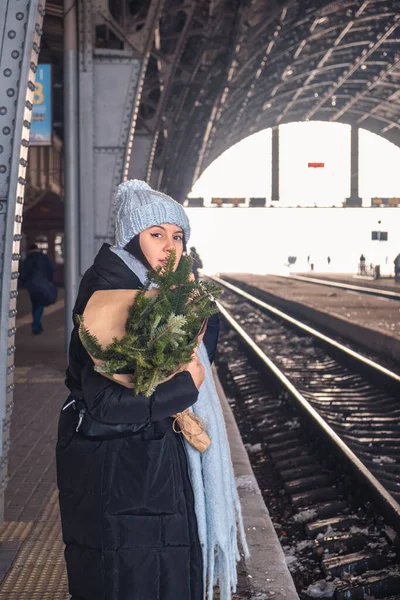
(127,506)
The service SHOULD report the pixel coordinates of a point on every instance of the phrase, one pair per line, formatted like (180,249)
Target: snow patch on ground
(321,589)
(293,424)
(290,560)
(305,515)
(355,529)
(381,460)
(390,532)
(300,546)
(329,532)
(246,483)
(253,447)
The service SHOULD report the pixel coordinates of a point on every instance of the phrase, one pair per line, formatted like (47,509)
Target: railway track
(324,423)
(362,289)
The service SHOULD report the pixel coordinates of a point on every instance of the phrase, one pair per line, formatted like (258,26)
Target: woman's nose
(169,244)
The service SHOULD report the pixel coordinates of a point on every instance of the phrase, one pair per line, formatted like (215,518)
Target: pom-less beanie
(139,207)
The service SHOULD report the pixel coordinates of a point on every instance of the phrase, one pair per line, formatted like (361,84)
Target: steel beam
(156,175)
(71,168)
(219,97)
(354,199)
(275,165)
(358,62)
(20,31)
(376,81)
(167,74)
(140,157)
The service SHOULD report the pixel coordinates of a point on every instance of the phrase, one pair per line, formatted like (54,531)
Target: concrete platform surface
(31,549)
(368,320)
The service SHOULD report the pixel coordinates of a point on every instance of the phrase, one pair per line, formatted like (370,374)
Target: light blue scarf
(216,500)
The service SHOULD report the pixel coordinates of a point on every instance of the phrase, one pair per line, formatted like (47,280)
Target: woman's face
(157,240)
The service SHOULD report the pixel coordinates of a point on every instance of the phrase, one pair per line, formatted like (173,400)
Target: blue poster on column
(40,133)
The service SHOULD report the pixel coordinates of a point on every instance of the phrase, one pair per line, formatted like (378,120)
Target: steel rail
(393,377)
(347,286)
(382,497)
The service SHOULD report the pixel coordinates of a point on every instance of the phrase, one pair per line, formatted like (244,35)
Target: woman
(141,516)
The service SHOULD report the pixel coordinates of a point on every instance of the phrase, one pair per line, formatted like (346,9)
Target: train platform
(370,321)
(31,549)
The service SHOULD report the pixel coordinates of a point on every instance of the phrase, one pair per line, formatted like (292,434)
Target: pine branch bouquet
(141,338)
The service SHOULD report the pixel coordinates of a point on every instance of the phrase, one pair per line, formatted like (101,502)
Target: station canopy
(220,70)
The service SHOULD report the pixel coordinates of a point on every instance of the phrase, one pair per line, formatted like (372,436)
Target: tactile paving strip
(14,532)
(38,571)
(12,536)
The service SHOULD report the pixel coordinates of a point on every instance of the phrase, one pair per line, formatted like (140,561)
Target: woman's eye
(156,235)
(178,238)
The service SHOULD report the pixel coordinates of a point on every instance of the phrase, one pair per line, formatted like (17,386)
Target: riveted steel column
(354,199)
(275,165)
(20,31)
(109,91)
(110,82)
(87,198)
(354,191)
(71,169)
(112,70)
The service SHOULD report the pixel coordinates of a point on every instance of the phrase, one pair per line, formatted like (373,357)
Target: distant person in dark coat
(362,264)
(397,266)
(36,271)
(197,262)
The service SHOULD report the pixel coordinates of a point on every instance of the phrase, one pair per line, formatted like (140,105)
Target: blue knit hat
(139,207)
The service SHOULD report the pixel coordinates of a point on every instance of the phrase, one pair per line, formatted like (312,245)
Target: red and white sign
(316,165)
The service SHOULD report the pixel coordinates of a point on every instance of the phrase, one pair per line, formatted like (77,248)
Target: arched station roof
(221,70)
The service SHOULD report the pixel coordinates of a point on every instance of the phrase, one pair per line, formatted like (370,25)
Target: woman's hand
(196,370)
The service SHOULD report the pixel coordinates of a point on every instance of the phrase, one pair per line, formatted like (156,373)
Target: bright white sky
(245,169)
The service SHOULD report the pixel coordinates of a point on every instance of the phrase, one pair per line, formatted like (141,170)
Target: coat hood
(108,272)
